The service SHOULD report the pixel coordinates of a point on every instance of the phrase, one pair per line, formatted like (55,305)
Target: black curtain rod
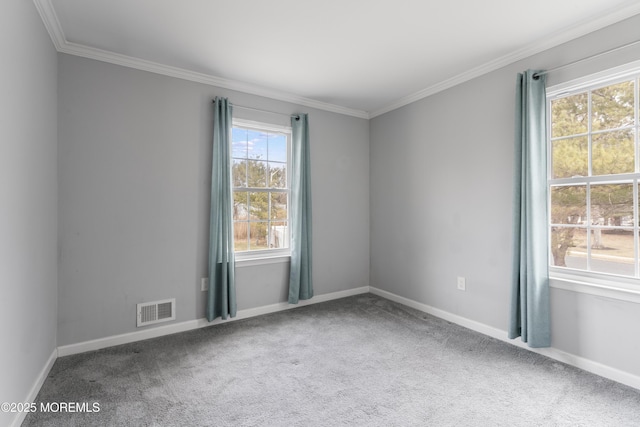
(296,116)
(542,73)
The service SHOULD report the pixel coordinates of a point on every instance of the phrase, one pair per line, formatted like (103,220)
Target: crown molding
(571,33)
(52,24)
(181,73)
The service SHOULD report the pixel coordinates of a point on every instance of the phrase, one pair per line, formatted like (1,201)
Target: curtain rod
(542,73)
(297,116)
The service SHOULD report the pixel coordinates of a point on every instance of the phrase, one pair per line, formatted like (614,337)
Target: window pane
(258,233)
(240,206)
(570,157)
(239,143)
(239,173)
(240,233)
(577,253)
(277,147)
(279,235)
(257,145)
(259,206)
(569,204)
(257,173)
(612,251)
(568,247)
(569,115)
(260,182)
(277,175)
(612,106)
(278,206)
(613,152)
(593,157)
(612,204)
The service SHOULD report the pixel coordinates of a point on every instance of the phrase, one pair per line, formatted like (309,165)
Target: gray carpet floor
(357,361)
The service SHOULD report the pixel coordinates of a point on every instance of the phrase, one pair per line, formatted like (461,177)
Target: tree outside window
(593,182)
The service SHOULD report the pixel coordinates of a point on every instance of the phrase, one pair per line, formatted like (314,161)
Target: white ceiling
(359,57)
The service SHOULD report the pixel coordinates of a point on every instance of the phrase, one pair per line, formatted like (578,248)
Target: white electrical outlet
(204,284)
(462,283)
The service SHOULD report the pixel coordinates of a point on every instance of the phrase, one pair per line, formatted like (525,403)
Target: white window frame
(267,256)
(624,288)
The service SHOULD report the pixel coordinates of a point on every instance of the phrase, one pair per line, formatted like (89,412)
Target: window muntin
(260,164)
(593,180)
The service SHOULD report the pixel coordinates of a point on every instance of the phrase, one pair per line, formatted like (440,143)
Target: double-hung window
(261,191)
(594,171)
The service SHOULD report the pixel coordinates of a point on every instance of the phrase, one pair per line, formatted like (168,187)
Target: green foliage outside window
(602,120)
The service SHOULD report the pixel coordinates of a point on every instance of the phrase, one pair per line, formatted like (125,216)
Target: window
(594,171)
(260,163)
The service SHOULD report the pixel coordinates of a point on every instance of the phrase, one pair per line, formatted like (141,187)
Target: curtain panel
(221,300)
(530,306)
(300,275)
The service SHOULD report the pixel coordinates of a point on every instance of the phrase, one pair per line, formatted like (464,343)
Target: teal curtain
(300,276)
(221,300)
(530,306)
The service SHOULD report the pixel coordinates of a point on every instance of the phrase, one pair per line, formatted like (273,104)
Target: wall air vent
(156,312)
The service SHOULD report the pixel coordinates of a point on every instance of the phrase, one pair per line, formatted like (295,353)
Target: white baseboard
(570,359)
(35,389)
(189,325)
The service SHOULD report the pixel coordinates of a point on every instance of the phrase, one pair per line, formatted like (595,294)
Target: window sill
(262,260)
(609,288)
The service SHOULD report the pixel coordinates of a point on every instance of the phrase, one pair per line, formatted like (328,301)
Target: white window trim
(615,287)
(595,79)
(262,260)
(592,283)
(267,256)
(261,126)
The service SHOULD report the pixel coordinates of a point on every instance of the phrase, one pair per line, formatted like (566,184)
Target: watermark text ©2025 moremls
(67,407)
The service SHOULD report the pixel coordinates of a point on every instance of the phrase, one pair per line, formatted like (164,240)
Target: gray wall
(441,204)
(135,159)
(28,198)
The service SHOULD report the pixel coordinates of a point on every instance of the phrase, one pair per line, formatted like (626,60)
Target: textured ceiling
(364,56)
